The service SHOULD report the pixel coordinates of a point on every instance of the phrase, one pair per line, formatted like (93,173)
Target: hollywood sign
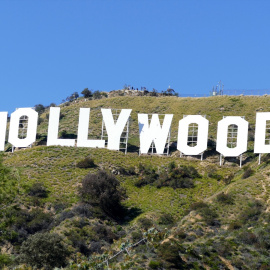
(148,132)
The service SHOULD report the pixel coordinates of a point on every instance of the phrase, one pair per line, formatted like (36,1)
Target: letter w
(153,133)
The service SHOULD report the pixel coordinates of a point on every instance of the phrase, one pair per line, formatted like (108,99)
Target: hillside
(192,214)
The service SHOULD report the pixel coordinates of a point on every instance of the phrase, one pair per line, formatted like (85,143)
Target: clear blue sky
(50,49)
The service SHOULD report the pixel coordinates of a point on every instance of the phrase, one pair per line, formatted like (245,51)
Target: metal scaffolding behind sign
(124,136)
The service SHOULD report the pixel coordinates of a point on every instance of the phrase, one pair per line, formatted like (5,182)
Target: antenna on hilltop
(218,90)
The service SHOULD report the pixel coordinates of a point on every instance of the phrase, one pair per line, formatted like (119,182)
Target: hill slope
(214,217)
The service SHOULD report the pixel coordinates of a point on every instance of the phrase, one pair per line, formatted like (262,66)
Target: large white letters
(260,132)
(115,130)
(82,140)
(201,137)
(3,129)
(149,131)
(53,130)
(154,132)
(222,136)
(31,128)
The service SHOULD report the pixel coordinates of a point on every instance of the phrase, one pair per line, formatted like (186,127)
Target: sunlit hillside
(176,213)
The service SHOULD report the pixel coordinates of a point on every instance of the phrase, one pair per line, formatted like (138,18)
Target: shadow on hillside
(132,148)
(41,139)
(130,214)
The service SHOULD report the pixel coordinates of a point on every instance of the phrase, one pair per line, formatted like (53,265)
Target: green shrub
(154,264)
(212,173)
(235,225)
(172,166)
(265,158)
(145,223)
(38,190)
(198,205)
(181,183)
(224,198)
(104,233)
(166,219)
(86,163)
(228,179)
(136,236)
(5,260)
(32,221)
(263,237)
(103,190)
(248,238)
(209,215)
(251,213)
(147,175)
(179,233)
(168,253)
(44,250)
(247,172)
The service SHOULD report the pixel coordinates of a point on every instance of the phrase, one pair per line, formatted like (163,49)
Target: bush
(181,183)
(198,205)
(136,236)
(103,190)
(39,108)
(208,214)
(147,175)
(38,190)
(145,223)
(5,260)
(154,264)
(166,219)
(228,179)
(86,163)
(25,222)
(251,213)
(224,198)
(40,120)
(44,250)
(86,93)
(104,233)
(235,225)
(181,177)
(247,172)
(168,252)
(263,237)
(97,95)
(248,238)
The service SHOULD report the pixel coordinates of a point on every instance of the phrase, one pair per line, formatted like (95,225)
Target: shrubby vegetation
(175,177)
(103,190)
(44,250)
(157,226)
(86,163)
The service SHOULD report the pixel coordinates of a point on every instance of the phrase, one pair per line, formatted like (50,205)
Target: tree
(44,250)
(72,97)
(97,95)
(39,108)
(103,190)
(86,93)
